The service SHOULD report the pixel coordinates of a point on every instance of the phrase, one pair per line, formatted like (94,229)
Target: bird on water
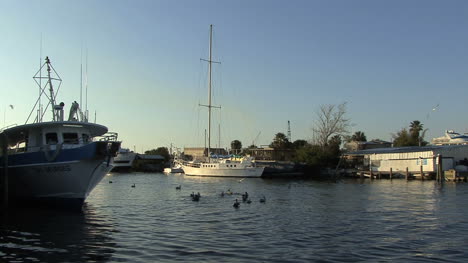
(195,197)
(133,185)
(236,204)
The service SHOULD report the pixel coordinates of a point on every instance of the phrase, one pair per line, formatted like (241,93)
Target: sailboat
(244,167)
(57,162)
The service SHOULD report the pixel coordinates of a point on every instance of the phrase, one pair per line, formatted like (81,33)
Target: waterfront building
(412,159)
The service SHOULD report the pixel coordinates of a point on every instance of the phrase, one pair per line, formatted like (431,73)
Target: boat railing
(190,164)
(108,137)
(7,127)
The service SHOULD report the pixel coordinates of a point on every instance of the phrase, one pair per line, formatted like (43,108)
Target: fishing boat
(57,162)
(220,166)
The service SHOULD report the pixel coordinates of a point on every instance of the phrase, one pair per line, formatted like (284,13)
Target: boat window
(51,138)
(70,138)
(234,165)
(85,137)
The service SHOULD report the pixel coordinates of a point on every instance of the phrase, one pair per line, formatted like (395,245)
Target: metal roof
(405,149)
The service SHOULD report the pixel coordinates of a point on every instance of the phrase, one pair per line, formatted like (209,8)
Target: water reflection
(39,235)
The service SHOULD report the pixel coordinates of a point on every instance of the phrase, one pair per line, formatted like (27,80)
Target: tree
(317,157)
(402,138)
(280,142)
(411,138)
(359,136)
(297,144)
(331,120)
(236,146)
(163,151)
(415,128)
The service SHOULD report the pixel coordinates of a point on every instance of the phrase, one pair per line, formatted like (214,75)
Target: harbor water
(301,221)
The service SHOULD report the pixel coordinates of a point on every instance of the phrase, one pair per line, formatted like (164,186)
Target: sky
(392,62)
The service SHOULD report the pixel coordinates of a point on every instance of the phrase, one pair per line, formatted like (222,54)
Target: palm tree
(415,128)
(359,136)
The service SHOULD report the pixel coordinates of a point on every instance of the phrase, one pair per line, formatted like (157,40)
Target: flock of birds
(196,196)
(245,197)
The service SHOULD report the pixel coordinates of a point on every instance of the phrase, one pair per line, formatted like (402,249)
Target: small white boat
(174,170)
(55,162)
(123,161)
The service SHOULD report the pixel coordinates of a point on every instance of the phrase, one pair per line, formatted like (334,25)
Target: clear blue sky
(391,61)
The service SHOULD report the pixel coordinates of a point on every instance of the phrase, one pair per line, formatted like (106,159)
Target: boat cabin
(36,136)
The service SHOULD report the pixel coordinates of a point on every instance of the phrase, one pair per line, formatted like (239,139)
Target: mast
(51,89)
(209,93)
(210,62)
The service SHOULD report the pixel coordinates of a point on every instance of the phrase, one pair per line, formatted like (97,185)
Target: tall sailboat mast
(209,92)
(210,62)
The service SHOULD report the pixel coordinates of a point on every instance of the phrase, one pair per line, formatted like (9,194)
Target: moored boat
(220,167)
(55,162)
(451,138)
(123,161)
(224,168)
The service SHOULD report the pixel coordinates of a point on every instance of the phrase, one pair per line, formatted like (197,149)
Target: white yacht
(124,160)
(54,162)
(451,138)
(224,167)
(217,167)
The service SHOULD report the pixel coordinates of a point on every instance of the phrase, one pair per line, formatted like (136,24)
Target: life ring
(52,157)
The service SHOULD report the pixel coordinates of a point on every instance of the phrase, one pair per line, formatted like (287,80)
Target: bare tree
(331,120)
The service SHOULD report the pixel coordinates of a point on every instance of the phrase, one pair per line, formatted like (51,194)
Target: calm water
(301,221)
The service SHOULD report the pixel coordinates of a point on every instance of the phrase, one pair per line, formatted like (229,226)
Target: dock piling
(422,173)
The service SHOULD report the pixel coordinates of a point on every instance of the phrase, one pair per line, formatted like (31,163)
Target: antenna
(289,131)
(86,85)
(81,78)
(39,108)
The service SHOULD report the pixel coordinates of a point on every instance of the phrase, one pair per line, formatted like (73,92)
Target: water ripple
(302,221)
